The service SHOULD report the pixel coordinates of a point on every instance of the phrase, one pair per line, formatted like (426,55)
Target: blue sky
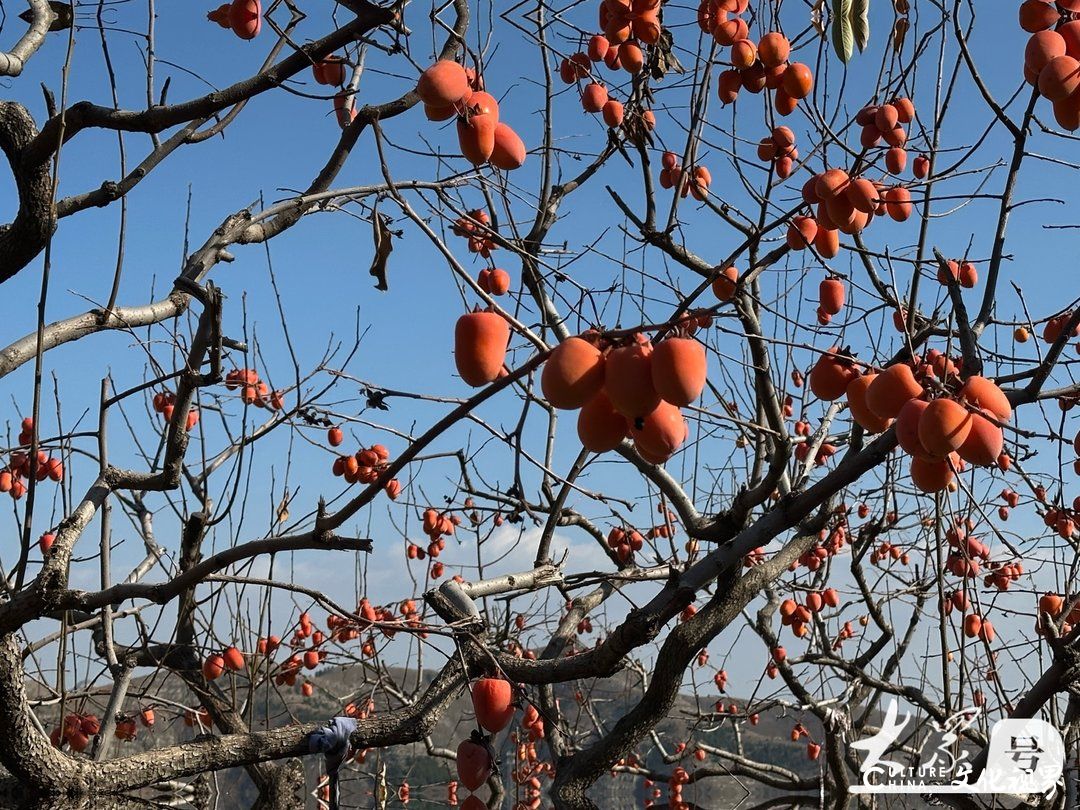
(279,143)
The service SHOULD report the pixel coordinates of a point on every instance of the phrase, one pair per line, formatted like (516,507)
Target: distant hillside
(768,742)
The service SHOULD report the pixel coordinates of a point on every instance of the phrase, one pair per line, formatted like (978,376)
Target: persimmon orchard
(612,394)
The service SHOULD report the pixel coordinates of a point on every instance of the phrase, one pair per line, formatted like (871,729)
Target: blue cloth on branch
(332,741)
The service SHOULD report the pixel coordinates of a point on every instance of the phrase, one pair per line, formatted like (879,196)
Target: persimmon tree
(730,328)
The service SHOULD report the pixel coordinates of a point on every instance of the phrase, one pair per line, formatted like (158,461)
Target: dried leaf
(817,14)
(376,398)
(382,236)
(843,39)
(636,132)
(900,30)
(663,59)
(860,23)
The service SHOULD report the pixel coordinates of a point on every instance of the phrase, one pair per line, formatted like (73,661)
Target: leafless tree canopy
(759,366)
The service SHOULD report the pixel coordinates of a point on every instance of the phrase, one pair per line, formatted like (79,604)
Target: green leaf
(843,38)
(860,22)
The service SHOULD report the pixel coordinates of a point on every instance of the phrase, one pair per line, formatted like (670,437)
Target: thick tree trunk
(43,771)
(572,797)
(24,751)
(282,789)
(26,236)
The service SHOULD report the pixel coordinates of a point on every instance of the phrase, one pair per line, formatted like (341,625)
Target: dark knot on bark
(26,236)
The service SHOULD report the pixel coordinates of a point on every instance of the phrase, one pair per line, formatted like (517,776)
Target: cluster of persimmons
(1052,56)
(447,90)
